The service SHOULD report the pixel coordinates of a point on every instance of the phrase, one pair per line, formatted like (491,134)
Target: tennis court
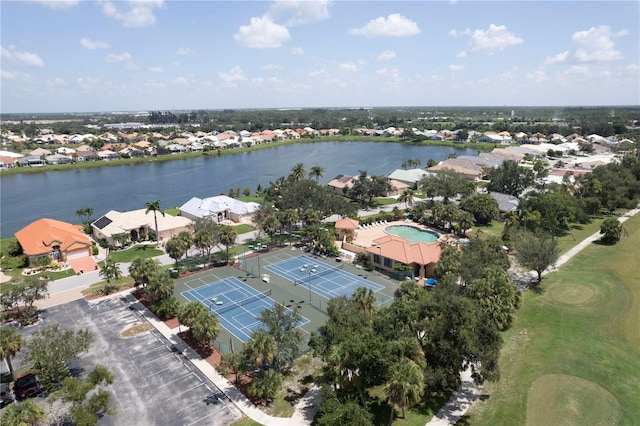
(236,304)
(321,278)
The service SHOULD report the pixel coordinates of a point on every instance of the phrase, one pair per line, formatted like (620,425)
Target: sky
(105,55)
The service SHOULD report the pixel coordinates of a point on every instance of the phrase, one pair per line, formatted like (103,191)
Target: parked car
(26,386)
(5,395)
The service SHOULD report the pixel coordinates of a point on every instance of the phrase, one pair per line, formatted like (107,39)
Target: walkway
(468,391)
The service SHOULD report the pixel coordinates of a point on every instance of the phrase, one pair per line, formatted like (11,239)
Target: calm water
(58,194)
(413,234)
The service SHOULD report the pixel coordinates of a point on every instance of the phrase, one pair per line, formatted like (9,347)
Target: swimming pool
(413,234)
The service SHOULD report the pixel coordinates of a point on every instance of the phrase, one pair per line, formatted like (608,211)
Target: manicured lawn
(174,211)
(573,354)
(242,228)
(379,202)
(140,250)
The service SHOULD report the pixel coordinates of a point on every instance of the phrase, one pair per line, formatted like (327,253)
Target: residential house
(82,156)
(411,177)
(107,155)
(506,202)
(136,222)
(53,239)
(219,208)
(473,170)
(57,159)
(30,161)
(341,184)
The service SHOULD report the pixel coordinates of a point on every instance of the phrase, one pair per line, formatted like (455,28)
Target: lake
(58,194)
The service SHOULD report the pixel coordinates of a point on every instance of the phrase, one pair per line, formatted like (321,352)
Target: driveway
(155,384)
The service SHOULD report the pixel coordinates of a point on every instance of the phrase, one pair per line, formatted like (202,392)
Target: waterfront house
(53,239)
(219,208)
(410,177)
(57,159)
(136,222)
(30,161)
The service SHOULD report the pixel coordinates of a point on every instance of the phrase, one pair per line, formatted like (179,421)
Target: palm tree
(10,344)
(260,349)
(228,237)
(26,413)
(186,241)
(154,206)
(205,328)
(316,172)
(110,272)
(288,218)
(365,299)
(142,270)
(160,287)
(267,386)
(298,172)
(406,198)
(271,225)
(405,386)
(85,212)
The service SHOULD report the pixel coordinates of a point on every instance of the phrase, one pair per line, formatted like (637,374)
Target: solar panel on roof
(102,222)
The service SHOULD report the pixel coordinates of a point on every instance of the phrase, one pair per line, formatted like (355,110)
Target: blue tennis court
(236,304)
(322,279)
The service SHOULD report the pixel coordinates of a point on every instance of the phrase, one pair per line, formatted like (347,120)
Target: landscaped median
(573,354)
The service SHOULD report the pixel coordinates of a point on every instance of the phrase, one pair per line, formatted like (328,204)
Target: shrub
(166,308)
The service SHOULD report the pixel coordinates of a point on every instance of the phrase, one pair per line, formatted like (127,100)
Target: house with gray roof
(411,177)
(219,208)
(506,202)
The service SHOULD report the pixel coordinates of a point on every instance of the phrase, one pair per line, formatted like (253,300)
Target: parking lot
(155,384)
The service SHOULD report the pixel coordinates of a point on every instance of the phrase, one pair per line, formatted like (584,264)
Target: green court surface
(250,271)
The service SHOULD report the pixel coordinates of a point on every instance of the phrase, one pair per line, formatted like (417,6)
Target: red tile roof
(347,223)
(401,250)
(39,237)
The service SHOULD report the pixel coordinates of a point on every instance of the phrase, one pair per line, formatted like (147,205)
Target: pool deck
(365,237)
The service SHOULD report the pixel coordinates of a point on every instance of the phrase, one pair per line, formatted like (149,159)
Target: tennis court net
(229,306)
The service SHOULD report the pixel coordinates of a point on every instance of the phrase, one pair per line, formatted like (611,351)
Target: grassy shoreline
(235,151)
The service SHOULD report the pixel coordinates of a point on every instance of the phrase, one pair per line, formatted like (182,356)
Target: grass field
(139,250)
(573,354)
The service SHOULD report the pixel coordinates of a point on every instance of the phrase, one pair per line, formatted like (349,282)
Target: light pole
(379,247)
(309,271)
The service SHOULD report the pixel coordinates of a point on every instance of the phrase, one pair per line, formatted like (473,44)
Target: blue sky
(81,56)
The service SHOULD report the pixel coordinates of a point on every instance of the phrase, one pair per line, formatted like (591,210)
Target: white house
(219,208)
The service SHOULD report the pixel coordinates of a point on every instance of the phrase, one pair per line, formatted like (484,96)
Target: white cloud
(118,57)
(318,73)
(268,82)
(301,11)
(272,67)
(180,81)
(297,51)
(386,55)
(388,72)
(58,4)
(22,59)
(262,33)
(493,40)
(560,57)
(350,66)
(594,45)
(14,75)
(456,68)
(395,25)
(137,14)
(456,33)
(538,76)
(56,82)
(93,44)
(185,51)
(156,69)
(235,74)
(88,83)
(124,58)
